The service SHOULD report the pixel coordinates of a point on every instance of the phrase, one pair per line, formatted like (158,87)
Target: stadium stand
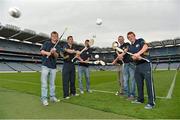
(162,66)
(9,45)
(33,67)
(19,51)
(5,67)
(18,66)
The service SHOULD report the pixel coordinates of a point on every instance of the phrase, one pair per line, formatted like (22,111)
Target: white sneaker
(136,102)
(67,98)
(148,106)
(45,103)
(82,92)
(89,91)
(75,94)
(54,99)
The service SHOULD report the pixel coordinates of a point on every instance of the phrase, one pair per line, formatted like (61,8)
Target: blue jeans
(129,80)
(45,74)
(85,70)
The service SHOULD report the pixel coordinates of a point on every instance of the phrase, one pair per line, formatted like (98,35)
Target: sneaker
(45,103)
(54,99)
(75,94)
(121,94)
(82,92)
(131,98)
(67,98)
(89,91)
(136,102)
(148,106)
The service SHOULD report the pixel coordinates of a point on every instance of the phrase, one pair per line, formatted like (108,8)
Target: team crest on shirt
(137,45)
(87,52)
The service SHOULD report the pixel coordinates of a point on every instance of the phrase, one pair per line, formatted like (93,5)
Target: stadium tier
(5,67)
(19,51)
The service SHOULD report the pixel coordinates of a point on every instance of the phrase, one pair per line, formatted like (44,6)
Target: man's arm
(138,54)
(81,60)
(54,53)
(116,59)
(43,50)
(45,53)
(72,51)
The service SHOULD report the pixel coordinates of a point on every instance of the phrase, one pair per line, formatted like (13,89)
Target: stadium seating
(154,66)
(5,67)
(174,66)
(18,66)
(19,51)
(9,45)
(162,66)
(32,66)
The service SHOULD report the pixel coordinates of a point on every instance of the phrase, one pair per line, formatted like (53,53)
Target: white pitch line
(158,97)
(102,91)
(109,92)
(169,95)
(38,84)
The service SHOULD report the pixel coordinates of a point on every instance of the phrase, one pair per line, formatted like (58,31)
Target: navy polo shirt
(85,55)
(136,47)
(71,55)
(126,58)
(49,62)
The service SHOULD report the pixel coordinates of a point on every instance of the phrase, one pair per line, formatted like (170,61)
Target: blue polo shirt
(49,62)
(136,47)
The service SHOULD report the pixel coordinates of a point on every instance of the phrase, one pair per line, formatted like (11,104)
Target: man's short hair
(121,36)
(131,33)
(87,40)
(69,37)
(54,32)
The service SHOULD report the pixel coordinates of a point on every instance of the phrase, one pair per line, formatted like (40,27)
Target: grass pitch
(19,95)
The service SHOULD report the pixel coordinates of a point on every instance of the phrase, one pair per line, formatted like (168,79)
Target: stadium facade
(19,51)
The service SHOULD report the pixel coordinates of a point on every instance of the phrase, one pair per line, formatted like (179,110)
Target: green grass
(29,84)
(21,105)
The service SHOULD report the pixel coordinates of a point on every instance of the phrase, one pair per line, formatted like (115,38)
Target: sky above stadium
(152,20)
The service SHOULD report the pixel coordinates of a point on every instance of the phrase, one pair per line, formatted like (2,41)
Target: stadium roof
(165,43)
(14,32)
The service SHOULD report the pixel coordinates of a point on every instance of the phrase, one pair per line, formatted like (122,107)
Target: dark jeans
(68,78)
